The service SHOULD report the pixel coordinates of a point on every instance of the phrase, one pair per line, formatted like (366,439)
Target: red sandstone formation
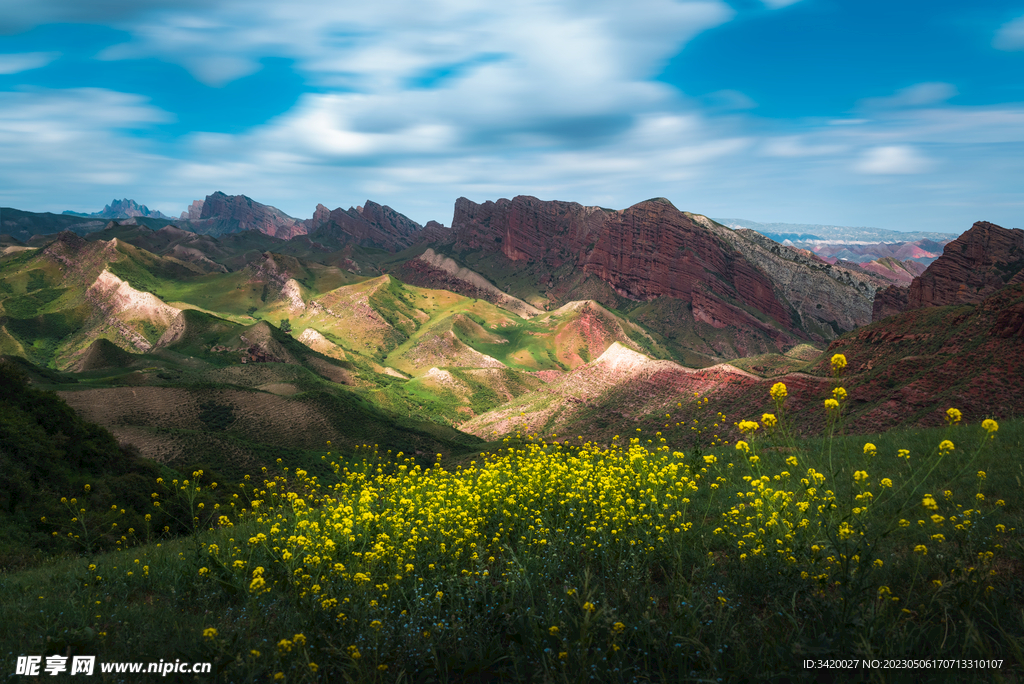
(977,264)
(972,267)
(646,251)
(251,215)
(372,225)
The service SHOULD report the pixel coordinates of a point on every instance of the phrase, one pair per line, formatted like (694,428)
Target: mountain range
(123,208)
(873,248)
(237,332)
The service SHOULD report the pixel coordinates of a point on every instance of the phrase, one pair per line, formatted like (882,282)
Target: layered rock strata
(979,263)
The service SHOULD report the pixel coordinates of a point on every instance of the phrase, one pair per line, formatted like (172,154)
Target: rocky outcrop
(233,213)
(978,263)
(194,211)
(121,305)
(372,225)
(889,302)
(277,272)
(982,261)
(1010,323)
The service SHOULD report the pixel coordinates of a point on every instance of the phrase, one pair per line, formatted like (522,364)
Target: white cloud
(55,139)
(1010,35)
(918,95)
(376,47)
(892,159)
(796,146)
(16,63)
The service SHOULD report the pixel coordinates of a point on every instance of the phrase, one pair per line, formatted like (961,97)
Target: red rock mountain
(647,251)
(371,225)
(977,264)
(243,213)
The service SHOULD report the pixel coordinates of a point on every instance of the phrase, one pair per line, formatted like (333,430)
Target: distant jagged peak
(370,225)
(237,213)
(194,212)
(122,208)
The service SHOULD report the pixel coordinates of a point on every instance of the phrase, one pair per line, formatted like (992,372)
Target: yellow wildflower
(746,426)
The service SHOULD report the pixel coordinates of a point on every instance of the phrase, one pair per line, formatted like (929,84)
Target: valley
(361,326)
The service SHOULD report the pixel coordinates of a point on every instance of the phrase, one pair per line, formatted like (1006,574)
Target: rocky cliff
(910,367)
(977,264)
(372,225)
(194,211)
(654,250)
(232,213)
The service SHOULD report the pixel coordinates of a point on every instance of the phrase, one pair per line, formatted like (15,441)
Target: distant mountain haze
(123,208)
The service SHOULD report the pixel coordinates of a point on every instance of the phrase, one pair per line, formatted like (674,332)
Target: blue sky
(908,116)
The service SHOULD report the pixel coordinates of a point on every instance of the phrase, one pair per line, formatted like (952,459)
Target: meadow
(733,557)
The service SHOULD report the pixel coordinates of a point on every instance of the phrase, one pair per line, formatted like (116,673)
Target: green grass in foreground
(554,559)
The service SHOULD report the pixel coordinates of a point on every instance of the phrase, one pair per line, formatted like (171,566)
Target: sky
(906,116)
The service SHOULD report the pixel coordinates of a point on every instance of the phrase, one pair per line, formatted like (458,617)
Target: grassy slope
(47,451)
(674,595)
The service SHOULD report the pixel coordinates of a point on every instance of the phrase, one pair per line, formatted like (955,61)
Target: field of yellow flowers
(557,559)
